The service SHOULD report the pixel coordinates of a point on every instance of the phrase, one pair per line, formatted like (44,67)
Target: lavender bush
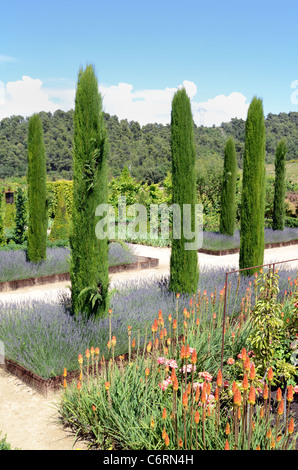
(13,264)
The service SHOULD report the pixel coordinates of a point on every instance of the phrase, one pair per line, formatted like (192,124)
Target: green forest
(145,150)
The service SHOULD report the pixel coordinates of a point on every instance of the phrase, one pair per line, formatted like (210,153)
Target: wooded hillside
(144,150)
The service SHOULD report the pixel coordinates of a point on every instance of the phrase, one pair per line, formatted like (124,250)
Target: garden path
(27,418)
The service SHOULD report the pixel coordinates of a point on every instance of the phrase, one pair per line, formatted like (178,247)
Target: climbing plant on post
(253,190)
(278,219)
(89,255)
(228,193)
(184,270)
(37,192)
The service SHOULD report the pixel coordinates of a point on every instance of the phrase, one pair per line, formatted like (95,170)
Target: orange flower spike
(79,385)
(87,354)
(96,351)
(187,352)
(175,384)
(219,379)
(164,413)
(197,321)
(216,394)
(109,344)
(278,394)
(147,371)
(243,353)
(185,400)
(262,412)
(107,385)
(204,393)
(227,446)
(270,374)
(163,434)
(170,318)
(280,408)
(80,359)
(65,372)
(113,341)
(92,350)
(245,382)
(247,364)
(149,346)
(252,396)
(252,373)
(182,353)
(234,387)
(228,429)
(265,392)
(197,395)
(173,375)
(152,423)
(180,443)
(64,383)
(194,357)
(197,417)
(208,388)
(237,397)
(290,394)
(188,390)
(291,426)
(167,440)
(174,324)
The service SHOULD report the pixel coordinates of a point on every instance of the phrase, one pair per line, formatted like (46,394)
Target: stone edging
(236,250)
(141,263)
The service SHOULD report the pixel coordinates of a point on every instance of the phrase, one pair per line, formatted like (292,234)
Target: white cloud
(27,96)
(5,58)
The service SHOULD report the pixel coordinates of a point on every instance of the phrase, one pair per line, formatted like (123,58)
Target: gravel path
(27,418)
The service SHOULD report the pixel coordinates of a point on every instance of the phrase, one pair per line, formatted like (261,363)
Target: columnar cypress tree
(37,192)
(253,189)
(184,271)
(278,222)
(89,255)
(228,194)
(21,217)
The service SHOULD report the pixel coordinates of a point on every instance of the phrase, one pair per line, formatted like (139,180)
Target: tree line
(145,150)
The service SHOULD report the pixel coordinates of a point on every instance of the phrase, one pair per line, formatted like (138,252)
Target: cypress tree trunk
(2,235)
(228,194)
(184,271)
(278,222)
(253,190)
(37,192)
(89,255)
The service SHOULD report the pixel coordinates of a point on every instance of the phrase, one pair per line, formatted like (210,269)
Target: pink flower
(191,350)
(165,383)
(197,384)
(295,389)
(230,361)
(188,368)
(169,362)
(206,376)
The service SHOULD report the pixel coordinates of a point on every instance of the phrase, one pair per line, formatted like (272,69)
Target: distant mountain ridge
(145,150)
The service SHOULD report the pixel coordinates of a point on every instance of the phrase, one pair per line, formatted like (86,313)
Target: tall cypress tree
(278,222)
(37,192)
(89,255)
(184,271)
(228,194)
(253,190)
(2,235)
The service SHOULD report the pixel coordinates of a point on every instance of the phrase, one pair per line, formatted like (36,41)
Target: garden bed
(236,250)
(141,263)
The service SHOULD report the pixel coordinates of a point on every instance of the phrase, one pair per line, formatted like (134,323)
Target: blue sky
(224,53)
